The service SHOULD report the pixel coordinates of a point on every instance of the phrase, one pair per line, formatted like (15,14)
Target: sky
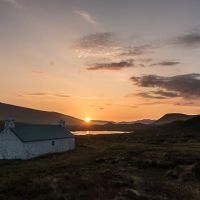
(104,59)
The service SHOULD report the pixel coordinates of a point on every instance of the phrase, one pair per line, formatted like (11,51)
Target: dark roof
(33,132)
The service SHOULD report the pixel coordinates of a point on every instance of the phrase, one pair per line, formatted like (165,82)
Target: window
(53,143)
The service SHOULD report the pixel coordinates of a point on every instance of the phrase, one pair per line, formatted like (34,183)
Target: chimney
(62,123)
(10,123)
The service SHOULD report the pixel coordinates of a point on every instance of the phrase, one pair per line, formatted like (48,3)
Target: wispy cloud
(106,51)
(154,103)
(38,94)
(99,39)
(87,17)
(150,95)
(166,63)
(38,72)
(101,44)
(190,103)
(107,45)
(136,51)
(60,95)
(14,3)
(191,39)
(112,65)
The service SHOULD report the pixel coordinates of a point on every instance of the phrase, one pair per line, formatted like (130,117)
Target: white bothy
(25,141)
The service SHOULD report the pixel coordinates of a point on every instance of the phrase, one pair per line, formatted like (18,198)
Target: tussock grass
(108,167)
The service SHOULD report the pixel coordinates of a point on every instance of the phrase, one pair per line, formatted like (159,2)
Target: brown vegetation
(108,167)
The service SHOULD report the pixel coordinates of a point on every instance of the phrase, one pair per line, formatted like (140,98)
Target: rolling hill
(28,115)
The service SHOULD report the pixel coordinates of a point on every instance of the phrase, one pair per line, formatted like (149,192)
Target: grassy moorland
(120,167)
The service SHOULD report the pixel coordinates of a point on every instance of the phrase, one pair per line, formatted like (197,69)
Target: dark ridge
(28,115)
(170,117)
(189,128)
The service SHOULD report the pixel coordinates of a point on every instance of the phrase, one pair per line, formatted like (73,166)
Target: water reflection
(97,132)
(87,133)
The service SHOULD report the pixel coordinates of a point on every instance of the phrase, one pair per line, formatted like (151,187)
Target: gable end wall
(10,146)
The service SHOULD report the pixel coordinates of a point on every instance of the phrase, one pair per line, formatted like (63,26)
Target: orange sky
(82,58)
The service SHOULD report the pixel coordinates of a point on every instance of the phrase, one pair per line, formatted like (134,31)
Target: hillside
(171,117)
(28,115)
(189,128)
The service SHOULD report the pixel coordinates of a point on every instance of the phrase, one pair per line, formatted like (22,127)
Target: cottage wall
(38,148)
(10,146)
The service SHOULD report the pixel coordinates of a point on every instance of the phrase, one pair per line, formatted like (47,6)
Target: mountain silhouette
(171,117)
(28,115)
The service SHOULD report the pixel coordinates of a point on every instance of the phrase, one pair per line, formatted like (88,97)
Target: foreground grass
(108,167)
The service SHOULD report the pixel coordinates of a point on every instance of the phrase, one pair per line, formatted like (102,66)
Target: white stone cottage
(25,141)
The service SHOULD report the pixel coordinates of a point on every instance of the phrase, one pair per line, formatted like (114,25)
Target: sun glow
(88,119)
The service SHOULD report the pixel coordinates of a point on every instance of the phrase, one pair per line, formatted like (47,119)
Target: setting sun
(88,119)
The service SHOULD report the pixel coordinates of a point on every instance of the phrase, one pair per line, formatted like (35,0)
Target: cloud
(166,94)
(154,103)
(136,51)
(102,44)
(108,47)
(159,94)
(38,72)
(86,16)
(185,86)
(190,40)
(112,65)
(60,95)
(166,63)
(97,40)
(133,106)
(12,2)
(38,94)
(190,103)
(150,95)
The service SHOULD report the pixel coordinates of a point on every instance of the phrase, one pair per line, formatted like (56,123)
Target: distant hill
(142,121)
(28,115)
(171,117)
(100,122)
(176,129)
(189,128)
(145,121)
(110,127)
